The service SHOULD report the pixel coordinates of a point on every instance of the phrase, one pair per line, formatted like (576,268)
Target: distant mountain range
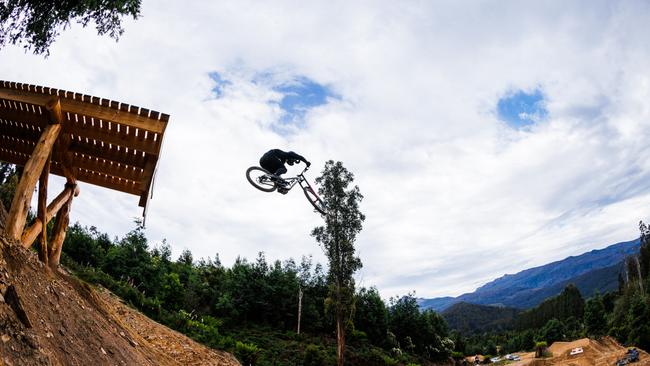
(596,270)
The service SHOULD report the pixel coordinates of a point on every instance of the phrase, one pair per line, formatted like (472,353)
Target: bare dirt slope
(3,216)
(53,319)
(596,353)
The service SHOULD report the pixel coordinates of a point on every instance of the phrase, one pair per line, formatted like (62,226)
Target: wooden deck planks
(102,142)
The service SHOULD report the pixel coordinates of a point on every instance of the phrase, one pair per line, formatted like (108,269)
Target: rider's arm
(294,156)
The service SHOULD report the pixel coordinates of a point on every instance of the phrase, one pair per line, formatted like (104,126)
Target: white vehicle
(576,351)
(495,359)
(516,358)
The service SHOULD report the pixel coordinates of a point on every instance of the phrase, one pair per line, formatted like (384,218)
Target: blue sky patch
(221,83)
(522,109)
(296,95)
(299,96)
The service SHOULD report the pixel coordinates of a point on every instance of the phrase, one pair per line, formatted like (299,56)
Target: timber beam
(42,210)
(33,168)
(58,236)
(53,209)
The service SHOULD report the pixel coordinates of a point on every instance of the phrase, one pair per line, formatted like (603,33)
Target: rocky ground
(51,318)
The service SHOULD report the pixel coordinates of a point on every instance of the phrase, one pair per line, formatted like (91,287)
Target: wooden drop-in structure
(79,137)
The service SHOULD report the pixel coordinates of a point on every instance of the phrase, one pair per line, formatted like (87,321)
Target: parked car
(576,351)
(511,357)
(632,355)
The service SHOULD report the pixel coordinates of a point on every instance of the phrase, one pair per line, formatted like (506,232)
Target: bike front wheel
(260,179)
(315,201)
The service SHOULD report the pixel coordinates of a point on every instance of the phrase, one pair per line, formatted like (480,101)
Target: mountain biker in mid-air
(273,161)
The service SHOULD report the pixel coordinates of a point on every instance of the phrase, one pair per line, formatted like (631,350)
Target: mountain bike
(261,179)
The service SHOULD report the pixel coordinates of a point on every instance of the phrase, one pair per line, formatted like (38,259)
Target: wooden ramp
(80,137)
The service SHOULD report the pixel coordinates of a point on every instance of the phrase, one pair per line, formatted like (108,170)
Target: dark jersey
(283,156)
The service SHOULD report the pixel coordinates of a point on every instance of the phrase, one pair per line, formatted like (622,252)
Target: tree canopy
(35,23)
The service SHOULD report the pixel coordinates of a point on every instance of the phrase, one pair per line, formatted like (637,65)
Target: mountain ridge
(527,288)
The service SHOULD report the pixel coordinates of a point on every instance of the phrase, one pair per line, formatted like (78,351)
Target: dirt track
(54,319)
(596,353)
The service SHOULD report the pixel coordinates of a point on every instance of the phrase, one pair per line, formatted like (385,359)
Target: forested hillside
(251,308)
(471,318)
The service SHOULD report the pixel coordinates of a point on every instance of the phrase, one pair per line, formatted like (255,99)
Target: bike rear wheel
(260,179)
(315,201)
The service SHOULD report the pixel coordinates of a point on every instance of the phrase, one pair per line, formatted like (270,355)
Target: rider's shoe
(276,178)
(283,190)
(282,183)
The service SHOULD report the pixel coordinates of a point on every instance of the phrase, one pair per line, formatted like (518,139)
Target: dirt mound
(3,217)
(595,353)
(53,319)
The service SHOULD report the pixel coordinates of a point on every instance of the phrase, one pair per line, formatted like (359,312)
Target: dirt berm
(605,351)
(51,318)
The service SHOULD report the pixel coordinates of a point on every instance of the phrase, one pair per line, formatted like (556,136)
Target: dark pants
(273,164)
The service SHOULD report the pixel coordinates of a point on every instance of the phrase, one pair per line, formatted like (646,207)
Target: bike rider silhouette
(273,161)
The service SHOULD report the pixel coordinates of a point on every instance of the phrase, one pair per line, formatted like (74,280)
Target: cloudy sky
(486,136)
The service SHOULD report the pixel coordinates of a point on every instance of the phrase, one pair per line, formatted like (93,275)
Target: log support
(60,230)
(25,189)
(53,209)
(62,146)
(42,211)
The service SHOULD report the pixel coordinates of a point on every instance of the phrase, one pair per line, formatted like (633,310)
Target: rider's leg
(273,165)
(281,170)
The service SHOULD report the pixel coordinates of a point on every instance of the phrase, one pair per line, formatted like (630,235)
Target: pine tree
(595,323)
(639,316)
(644,251)
(337,237)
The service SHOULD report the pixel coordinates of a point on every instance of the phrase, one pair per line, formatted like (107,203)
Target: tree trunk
(299,308)
(340,340)
(340,327)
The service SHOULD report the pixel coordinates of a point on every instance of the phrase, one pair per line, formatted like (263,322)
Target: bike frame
(291,182)
(300,180)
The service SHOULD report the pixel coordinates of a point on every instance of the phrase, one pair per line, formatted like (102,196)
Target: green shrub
(487,359)
(540,347)
(357,335)
(372,357)
(313,356)
(389,361)
(247,353)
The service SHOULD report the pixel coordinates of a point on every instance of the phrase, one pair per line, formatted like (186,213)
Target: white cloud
(453,197)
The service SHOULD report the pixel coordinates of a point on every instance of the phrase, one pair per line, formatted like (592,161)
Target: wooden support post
(54,111)
(55,115)
(42,210)
(60,230)
(32,171)
(52,209)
